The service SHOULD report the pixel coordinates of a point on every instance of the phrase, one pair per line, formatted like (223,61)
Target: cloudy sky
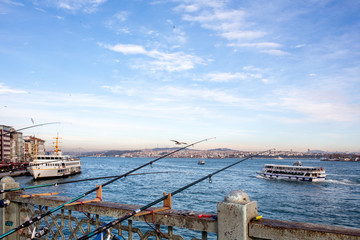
(118,74)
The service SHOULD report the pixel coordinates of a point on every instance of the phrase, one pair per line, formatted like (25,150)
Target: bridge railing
(234,221)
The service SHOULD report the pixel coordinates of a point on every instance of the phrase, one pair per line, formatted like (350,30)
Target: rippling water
(334,201)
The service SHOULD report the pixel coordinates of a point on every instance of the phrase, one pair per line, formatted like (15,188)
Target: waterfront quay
(236,217)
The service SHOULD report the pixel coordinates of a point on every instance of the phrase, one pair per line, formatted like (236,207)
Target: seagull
(178,143)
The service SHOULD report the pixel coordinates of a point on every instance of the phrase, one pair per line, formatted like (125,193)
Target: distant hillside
(222,149)
(171,149)
(316,151)
(119,152)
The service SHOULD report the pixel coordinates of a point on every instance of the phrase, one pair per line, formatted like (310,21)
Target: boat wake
(258,176)
(342,182)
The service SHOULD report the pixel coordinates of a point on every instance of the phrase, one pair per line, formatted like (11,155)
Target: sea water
(335,201)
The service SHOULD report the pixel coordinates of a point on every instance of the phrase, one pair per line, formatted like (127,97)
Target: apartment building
(33,146)
(16,146)
(5,146)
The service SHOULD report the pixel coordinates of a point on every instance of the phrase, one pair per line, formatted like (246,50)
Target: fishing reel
(115,238)
(112,237)
(4,203)
(42,232)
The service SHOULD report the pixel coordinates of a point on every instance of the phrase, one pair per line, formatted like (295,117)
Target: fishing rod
(38,218)
(72,181)
(131,214)
(32,126)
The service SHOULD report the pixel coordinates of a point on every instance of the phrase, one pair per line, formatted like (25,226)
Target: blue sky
(135,74)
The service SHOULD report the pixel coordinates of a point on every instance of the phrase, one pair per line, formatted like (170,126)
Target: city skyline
(136,74)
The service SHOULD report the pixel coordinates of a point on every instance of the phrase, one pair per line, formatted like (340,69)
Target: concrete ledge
(286,230)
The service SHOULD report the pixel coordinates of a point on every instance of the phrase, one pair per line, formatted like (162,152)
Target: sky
(118,74)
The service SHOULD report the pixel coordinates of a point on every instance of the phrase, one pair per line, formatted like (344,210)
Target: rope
(81,209)
(156,229)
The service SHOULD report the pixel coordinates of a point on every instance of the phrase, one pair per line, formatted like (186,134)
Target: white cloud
(116,22)
(300,45)
(318,107)
(125,48)
(40,9)
(239,35)
(224,77)
(218,19)
(193,6)
(265,80)
(10,2)
(230,24)
(88,6)
(256,45)
(176,61)
(121,16)
(187,8)
(249,73)
(212,95)
(114,89)
(276,52)
(5,90)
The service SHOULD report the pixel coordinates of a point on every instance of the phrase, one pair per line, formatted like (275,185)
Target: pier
(235,218)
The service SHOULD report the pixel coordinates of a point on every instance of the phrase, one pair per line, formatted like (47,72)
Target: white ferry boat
(53,166)
(296,172)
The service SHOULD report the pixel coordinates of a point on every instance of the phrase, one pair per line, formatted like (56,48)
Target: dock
(13,169)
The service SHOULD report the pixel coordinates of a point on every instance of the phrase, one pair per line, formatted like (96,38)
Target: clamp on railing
(97,199)
(166,206)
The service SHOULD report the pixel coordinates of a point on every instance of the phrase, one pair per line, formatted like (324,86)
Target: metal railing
(234,221)
(74,221)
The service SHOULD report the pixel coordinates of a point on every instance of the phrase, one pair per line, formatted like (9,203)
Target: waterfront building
(5,143)
(16,146)
(33,146)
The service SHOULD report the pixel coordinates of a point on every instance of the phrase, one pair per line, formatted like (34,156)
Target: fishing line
(20,129)
(72,181)
(38,218)
(32,126)
(129,215)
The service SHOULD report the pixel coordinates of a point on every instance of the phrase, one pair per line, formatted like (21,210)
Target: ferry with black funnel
(296,172)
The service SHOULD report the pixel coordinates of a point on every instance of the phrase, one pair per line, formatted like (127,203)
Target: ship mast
(36,150)
(57,145)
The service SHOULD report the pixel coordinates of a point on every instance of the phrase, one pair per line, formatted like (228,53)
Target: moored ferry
(53,166)
(297,172)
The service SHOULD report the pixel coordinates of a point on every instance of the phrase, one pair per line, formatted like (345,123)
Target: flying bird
(178,143)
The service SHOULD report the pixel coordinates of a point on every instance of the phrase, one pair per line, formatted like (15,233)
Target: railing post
(10,215)
(234,215)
